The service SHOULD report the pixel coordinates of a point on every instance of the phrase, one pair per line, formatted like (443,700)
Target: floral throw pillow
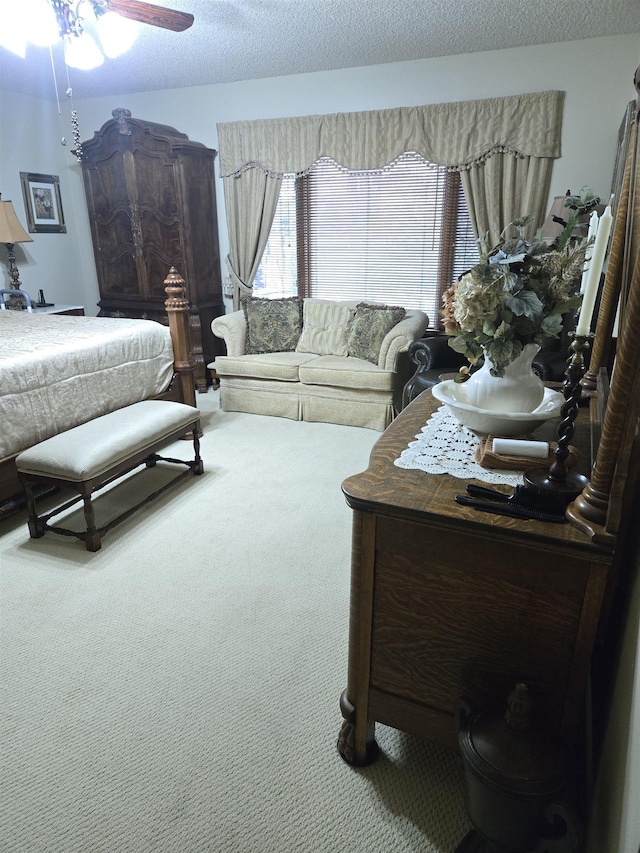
(273,325)
(369,328)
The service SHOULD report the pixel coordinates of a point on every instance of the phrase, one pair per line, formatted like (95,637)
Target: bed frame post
(606,501)
(177,309)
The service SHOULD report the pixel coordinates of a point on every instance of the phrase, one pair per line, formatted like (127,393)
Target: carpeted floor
(177,691)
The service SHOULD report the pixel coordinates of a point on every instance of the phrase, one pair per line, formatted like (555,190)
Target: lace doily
(445,446)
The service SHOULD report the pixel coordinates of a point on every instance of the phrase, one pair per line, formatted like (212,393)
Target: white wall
(30,134)
(596,74)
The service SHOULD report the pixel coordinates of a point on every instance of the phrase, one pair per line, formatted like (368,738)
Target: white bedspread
(58,371)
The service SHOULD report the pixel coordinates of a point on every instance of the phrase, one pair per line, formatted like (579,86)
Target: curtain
(504,188)
(506,145)
(251,199)
(455,135)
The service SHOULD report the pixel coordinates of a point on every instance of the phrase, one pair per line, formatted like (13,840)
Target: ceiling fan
(145,13)
(68,14)
(114,20)
(45,22)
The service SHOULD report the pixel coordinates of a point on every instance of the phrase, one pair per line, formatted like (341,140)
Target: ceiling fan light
(82,52)
(40,21)
(117,34)
(14,33)
(13,39)
(19,47)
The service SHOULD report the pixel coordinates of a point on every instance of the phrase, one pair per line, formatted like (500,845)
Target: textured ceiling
(249,39)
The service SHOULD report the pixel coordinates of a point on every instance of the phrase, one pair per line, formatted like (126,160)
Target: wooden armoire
(151,200)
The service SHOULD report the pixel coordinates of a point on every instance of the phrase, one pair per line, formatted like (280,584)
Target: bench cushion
(91,449)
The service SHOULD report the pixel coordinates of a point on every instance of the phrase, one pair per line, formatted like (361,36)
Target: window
(277,275)
(401,235)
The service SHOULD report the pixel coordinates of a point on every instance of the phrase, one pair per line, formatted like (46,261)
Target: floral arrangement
(514,296)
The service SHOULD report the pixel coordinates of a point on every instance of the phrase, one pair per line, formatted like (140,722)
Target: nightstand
(74,310)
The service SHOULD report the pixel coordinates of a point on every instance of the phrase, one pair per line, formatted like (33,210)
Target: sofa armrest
(400,338)
(435,353)
(232,328)
(432,357)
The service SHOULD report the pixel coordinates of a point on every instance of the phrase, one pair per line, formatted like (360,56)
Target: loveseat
(316,360)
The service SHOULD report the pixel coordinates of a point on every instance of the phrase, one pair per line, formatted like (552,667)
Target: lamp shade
(10,229)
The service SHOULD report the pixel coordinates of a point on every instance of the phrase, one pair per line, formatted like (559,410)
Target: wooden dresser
(151,200)
(449,602)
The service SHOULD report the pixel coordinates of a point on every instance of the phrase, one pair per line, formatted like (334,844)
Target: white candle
(595,268)
(518,447)
(591,236)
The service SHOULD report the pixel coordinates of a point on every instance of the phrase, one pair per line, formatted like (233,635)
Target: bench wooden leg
(91,537)
(198,467)
(36,529)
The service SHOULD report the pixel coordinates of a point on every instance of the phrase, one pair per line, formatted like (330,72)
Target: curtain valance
(457,135)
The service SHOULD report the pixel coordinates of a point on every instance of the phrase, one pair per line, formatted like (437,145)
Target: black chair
(433,357)
(551,362)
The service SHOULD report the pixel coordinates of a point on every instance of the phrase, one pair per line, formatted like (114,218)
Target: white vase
(519,390)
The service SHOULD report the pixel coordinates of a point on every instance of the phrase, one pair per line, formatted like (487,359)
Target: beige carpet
(177,692)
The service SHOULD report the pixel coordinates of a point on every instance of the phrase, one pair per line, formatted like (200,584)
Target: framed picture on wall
(42,203)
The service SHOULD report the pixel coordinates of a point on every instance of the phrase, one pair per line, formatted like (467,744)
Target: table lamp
(12,232)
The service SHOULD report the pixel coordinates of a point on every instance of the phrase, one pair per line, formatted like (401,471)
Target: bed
(59,371)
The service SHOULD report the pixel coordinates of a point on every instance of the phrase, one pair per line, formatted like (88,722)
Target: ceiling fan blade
(156,16)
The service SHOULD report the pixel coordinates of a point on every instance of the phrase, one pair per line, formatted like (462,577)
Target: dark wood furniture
(151,200)
(448,602)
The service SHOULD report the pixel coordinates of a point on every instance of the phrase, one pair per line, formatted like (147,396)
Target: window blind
(398,235)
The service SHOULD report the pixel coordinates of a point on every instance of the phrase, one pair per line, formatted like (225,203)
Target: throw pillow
(369,328)
(325,327)
(273,325)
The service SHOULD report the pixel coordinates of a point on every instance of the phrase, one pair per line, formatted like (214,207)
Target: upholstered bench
(91,455)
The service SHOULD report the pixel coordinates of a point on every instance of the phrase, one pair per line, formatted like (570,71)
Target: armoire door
(151,202)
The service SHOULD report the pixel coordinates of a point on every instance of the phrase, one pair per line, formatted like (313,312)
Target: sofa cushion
(369,328)
(273,365)
(325,327)
(273,325)
(339,372)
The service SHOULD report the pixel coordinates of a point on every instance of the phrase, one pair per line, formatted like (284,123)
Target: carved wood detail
(177,308)
(150,195)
